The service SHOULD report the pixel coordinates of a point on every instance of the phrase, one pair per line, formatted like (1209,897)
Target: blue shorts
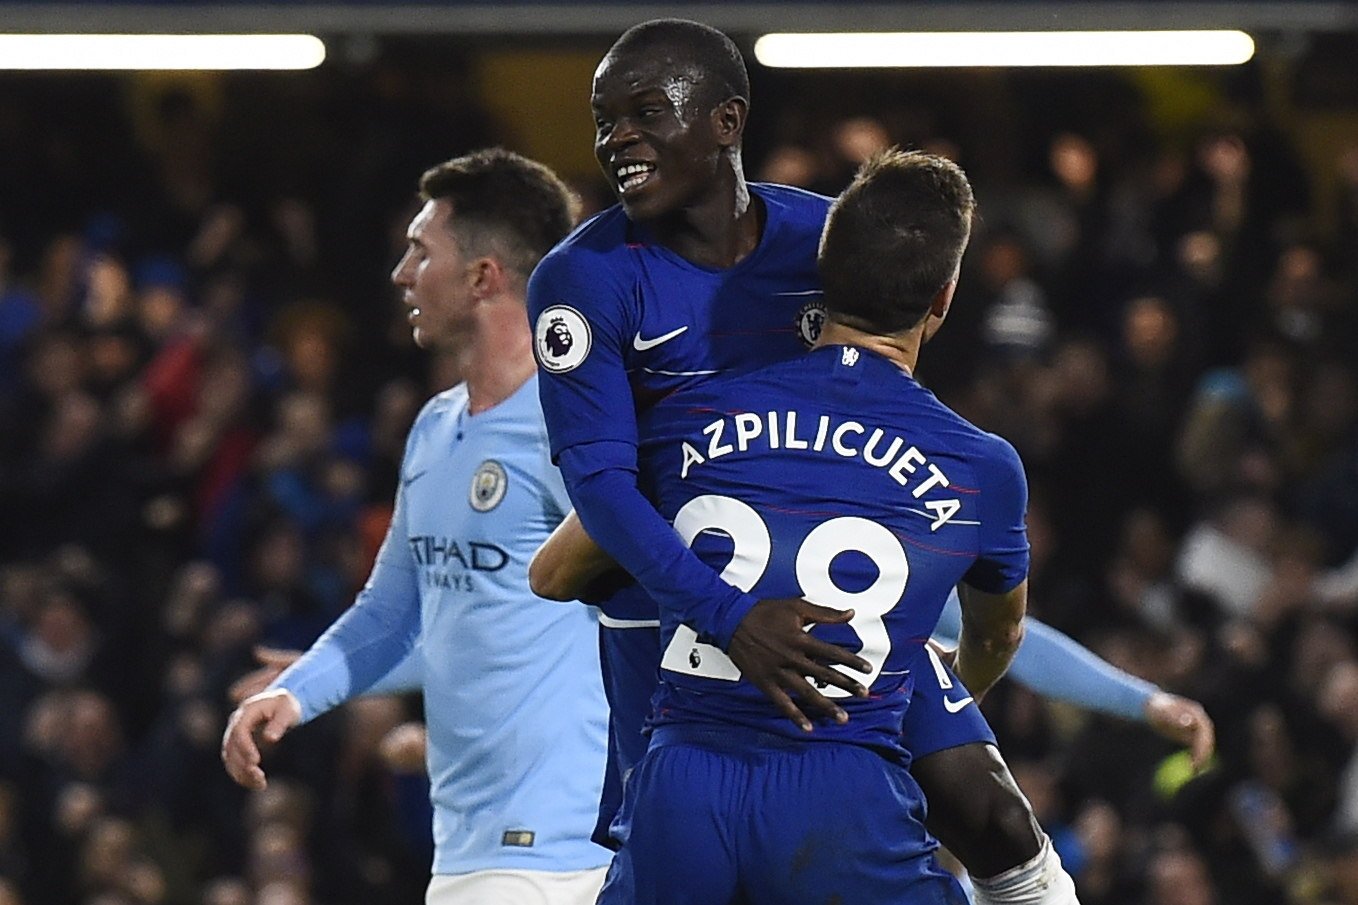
(630,659)
(720,816)
(942,713)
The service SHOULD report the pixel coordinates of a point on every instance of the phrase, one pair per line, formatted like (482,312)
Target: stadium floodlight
(145,52)
(1007,48)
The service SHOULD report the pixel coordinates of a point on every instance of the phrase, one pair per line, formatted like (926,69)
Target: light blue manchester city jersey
(513,697)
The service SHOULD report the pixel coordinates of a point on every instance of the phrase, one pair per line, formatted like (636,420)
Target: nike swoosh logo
(641,345)
(954,706)
(406,482)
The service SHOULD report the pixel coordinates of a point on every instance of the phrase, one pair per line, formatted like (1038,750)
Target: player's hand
(272,660)
(1184,721)
(403,748)
(270,714)
(773,650)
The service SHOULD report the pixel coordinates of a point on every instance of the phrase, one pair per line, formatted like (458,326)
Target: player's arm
(1058,667)
(582,325)
(591,418)
(569,563)
(994,591)
(406,676)
(372,637)
(992,630)
(766,639)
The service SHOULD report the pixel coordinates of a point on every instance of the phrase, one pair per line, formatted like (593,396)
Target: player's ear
(728,120)
(486,277)
(938,309)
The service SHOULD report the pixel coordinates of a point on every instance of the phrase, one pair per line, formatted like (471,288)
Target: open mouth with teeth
(632,176)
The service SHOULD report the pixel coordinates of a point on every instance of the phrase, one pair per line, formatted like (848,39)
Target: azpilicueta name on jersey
(846,438)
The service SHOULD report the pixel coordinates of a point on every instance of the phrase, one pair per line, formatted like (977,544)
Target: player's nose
(623,134)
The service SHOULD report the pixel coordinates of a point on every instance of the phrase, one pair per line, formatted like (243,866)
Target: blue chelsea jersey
(621,322)
(837,477)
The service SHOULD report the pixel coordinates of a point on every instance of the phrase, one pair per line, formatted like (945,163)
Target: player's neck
(500,359)
(718,231)
(901,349)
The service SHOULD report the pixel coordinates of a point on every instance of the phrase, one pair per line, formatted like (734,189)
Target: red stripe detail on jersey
(905,538)
(706,410)
(923,546)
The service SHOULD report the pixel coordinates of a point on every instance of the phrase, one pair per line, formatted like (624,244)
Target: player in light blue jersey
(1053,665)
(515,710)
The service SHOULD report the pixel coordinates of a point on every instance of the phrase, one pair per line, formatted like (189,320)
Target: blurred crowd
(205,385)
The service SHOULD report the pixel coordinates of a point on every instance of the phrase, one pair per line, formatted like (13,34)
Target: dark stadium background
(205,380)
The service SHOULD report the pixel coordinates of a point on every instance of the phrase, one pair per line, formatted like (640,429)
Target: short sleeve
(1002,555)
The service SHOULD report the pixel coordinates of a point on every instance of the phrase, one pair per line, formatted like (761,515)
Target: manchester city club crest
(561,339)
(488,486)
(809,321)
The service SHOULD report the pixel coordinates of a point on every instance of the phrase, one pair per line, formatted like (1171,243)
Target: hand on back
(775,653)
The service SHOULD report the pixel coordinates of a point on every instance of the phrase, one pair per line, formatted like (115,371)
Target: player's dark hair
(505,202)
(704,46)
(894,239)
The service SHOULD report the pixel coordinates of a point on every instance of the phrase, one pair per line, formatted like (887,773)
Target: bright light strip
(142,52)
(1003,48)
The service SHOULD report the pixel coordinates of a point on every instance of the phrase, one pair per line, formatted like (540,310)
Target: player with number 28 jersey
(837,477)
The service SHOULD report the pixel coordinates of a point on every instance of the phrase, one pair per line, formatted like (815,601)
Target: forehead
(433,220)
(633,71)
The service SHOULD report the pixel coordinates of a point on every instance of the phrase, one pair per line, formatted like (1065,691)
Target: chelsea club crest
(810,319)
(488,486)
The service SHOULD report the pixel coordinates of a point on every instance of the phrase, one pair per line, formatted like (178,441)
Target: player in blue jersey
(696,273)
(836,477)
(515,710)
(652,296)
